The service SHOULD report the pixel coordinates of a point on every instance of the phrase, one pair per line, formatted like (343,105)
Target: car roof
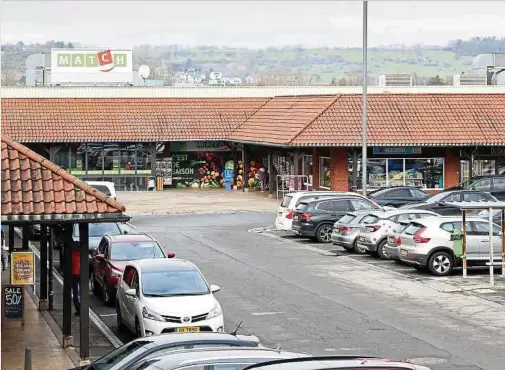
(141,237)
(331,362)
(440,219)
(163,264)
(395,212)
(196,356)
(202,337)
(107,183)
(339,197)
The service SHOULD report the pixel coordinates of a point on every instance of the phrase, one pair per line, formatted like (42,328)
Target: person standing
(76,280)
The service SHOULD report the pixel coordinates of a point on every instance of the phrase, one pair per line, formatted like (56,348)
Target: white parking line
(116,342)
(267,313)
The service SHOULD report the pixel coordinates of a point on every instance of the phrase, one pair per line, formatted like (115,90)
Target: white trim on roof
(230,92)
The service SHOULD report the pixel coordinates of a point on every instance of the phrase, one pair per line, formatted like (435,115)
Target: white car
(106,187)
(160,296)
(284,220)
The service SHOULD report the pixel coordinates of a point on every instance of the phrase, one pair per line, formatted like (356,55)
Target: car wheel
(440,263)
(323,233)
(119,319)
(94,285)
(381,250)
(105,294)
(137,328)
(357,249)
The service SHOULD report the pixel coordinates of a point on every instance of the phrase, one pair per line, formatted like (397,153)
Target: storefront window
(376,173)
(425,173)
(307,169)
(395,172)
(484,167)
(324,172)
(77,159)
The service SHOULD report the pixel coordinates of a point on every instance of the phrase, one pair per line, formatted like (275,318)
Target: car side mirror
(214,288)
(131,293)
(100,257)
(170,255)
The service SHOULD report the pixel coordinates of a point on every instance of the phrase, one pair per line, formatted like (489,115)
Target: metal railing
(287,183)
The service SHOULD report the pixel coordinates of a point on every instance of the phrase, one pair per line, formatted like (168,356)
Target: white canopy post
(491,256)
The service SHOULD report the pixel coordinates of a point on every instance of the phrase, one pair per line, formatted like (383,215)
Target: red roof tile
(86,120)
(32,185)
(411,119)
(282,118)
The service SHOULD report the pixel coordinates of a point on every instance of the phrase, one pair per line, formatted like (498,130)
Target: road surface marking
(92,315)
(267,313)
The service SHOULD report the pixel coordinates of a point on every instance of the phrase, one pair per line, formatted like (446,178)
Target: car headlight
(215,312)
(147,313)
(115,274)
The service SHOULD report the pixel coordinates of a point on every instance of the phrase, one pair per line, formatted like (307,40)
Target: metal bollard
(28,358)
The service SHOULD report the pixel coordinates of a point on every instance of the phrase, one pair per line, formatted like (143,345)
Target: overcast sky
(248,23)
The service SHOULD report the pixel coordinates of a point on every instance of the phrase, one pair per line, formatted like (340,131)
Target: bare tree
(8,77)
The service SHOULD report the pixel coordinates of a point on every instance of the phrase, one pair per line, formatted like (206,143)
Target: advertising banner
(198,169)
(23,268)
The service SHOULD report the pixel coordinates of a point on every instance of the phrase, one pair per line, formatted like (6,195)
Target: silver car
(346,231)
(376,227)
(427,243)
(393,242)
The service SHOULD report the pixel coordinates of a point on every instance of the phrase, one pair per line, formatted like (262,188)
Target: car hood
(182,305)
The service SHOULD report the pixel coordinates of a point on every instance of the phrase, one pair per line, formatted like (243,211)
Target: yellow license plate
(193,329)
(361,238)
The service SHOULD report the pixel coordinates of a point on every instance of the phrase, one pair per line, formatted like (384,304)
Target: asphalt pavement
(304,298)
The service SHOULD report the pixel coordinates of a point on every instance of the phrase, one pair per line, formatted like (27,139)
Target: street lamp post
(364,103)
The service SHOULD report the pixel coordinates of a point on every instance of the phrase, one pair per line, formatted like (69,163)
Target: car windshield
(129,251)
(173,283)
(112,358)
(346,219)
(97,230)
(437,197)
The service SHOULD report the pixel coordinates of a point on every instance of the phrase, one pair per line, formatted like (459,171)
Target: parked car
(315,219)
(439,202)
(346,231)
(427,243)
(106,187)
(160,296)
(218,358)
(376,227)
(107,264)
(494,184)
(397,196)
(291,200)
(393,242)
(336,362)
(124,357)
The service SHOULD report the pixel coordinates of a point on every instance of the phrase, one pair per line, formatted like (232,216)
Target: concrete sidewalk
(47,353)
(196,201)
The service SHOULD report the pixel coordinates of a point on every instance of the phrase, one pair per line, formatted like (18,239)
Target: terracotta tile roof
(411,119)
(281,119)
(32,185)
(81,120)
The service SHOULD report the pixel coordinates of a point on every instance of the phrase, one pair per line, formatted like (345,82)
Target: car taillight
(373,228)
(305,216)
(398,241)
(418,238)
(289,216)
(344,228)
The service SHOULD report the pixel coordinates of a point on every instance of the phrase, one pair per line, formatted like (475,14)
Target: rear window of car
(103,189)
(302,207)
(347,219)
(286,200)
(411,229)
(370,219)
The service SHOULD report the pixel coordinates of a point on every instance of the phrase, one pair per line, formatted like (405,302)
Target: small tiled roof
(410,119)
(114,119)
(32,185)
(282,118)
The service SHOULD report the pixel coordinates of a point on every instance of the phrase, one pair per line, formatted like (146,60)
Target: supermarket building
(432,138)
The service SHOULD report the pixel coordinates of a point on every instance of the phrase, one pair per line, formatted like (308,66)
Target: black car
(441,203)
(315,218)
(398,196)
(494,184)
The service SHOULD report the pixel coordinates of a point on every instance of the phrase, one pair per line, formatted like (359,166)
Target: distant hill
(291,64)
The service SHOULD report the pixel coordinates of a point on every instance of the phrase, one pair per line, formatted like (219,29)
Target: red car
(113,252)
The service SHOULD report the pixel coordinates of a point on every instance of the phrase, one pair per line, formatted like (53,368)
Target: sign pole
(502,243)
(364,103)
(464,244)
(491,255)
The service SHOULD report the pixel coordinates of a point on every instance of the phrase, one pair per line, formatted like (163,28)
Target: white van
(106,187)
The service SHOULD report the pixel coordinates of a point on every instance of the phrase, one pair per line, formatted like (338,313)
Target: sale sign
(23,268)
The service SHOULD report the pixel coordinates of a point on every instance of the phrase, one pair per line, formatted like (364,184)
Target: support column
(296,162)
(244,168)
(50,268)
(26,236)
(84,294)
(153,159)
(339,169)
(68,340)
(11,239)
(43,268)
(315,169)
(270,173)
(451,169)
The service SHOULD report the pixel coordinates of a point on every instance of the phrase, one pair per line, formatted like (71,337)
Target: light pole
(364,103)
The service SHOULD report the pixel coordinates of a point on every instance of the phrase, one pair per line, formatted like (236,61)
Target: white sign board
(91,66)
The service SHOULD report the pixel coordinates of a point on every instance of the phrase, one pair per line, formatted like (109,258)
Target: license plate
(193,329)
(361,238)
(403,252)
(295,218)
